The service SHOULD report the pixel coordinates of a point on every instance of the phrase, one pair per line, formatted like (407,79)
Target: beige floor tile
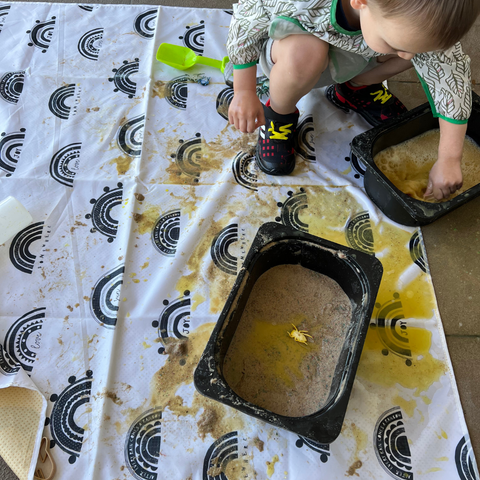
(465,355)
(411,94)
(453,251)
(470,45)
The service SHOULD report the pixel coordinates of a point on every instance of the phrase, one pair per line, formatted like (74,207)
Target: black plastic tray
(392,202)
(359,275)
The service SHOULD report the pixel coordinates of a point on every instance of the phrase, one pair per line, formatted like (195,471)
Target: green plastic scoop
(184,58)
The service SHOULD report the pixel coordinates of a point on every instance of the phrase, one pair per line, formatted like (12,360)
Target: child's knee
(305,55)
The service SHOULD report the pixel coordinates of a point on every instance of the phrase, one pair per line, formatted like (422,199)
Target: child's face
(394,35)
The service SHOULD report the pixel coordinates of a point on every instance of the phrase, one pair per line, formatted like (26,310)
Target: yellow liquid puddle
(391,369)
(407,406)
(279,355)
(408,164)
(271,465)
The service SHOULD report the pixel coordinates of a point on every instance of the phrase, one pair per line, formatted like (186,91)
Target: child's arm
(246,110)
(446,175)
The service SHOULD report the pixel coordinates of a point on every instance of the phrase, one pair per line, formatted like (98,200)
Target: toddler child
(352,46)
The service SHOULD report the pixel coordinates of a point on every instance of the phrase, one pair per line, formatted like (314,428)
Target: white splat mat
(145,201)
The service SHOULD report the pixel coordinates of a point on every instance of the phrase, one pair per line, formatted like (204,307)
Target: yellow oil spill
(136,280)
(327,215)
(408,164)
(426,399)
(123,163)
(408,406)
(146,221)
(270,345)
(178,370)
(347,171)
(442,434)
(433,469)
(271,465)
(197,299)
(390,370)
(145,265)
(146,345)
(442,459)
(133,275)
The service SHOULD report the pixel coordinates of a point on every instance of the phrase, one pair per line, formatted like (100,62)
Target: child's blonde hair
(446,21)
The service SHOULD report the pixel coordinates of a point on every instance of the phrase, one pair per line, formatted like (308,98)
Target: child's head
(407,27)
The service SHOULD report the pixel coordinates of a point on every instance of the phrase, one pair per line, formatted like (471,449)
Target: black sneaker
(275,153)
(374,103)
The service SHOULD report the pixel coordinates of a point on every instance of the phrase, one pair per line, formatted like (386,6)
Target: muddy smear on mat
(123,163)
(192,159)
(184,354)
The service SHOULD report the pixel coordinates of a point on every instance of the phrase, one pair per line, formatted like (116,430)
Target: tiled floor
(452,244)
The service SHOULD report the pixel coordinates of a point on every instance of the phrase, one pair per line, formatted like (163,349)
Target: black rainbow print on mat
(57,103)
(194,37)
(23,338)
(166,233)
(41,34)
(359,233)
(304,141)
(3,14)
(176,91)
(391,326)
(391,445)
(357,166)
(11,86)
(130,136)
(188,156)
(175,319)
(465,460)
(7,365)
(224,99)
(417,252)
(142,445)
(144,23)
(65,164)
(20,255)
(90,43)
(229,12)
(101,217)
(245,170)
(89,8)
(122,81)
(291,209)
(11,145)
(322,449)
(106,297)
(219,455)
(219,250)
(65,432)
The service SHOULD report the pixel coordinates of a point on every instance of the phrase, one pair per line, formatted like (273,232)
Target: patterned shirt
(444,75)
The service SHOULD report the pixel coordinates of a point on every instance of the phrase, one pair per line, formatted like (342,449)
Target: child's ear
(358,4)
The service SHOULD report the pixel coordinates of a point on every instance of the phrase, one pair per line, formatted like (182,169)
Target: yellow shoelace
(282,134)
(382,95)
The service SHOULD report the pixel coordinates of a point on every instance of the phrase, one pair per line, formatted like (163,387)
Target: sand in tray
(407,165)
(266,367)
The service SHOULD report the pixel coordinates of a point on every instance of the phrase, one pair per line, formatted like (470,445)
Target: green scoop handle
(184,58)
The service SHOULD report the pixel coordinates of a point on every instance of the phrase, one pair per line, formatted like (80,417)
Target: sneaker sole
(272,171)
